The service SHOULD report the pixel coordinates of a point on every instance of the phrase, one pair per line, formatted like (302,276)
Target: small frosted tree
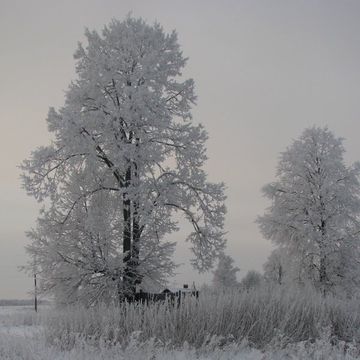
(283,267)
(251,280)
(225,273)
(274,267)
(125,157)
(315,210)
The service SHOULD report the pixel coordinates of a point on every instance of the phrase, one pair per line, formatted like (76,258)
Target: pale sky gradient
(264,70)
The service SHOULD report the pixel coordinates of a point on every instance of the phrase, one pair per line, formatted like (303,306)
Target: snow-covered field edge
(17,346)
(24,336)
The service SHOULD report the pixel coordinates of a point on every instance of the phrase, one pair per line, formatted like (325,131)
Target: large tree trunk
(322,268)
(280,274)
(136,229)
(323,275)
(127,283)
(135,250)
(131,235)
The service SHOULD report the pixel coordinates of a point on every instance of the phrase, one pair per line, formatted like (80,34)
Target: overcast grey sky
(264,70)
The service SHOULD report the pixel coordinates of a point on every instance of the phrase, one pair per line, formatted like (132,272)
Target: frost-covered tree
(315,210)
(125,158)
(275,266)
(283,267)
(225,273)
(251,280)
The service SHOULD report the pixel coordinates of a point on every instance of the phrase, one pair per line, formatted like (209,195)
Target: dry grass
(263,317)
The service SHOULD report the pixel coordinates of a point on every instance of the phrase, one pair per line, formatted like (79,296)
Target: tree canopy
(315,208)
(225,273)
(125,157)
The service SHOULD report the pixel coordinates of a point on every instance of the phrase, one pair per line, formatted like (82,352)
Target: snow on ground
(18,321)
(8,310)
(20,340)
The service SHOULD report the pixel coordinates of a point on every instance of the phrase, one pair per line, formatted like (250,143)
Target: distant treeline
(21,302)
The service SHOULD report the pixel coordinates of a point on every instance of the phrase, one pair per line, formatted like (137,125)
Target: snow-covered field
(24,335)
(18,321)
